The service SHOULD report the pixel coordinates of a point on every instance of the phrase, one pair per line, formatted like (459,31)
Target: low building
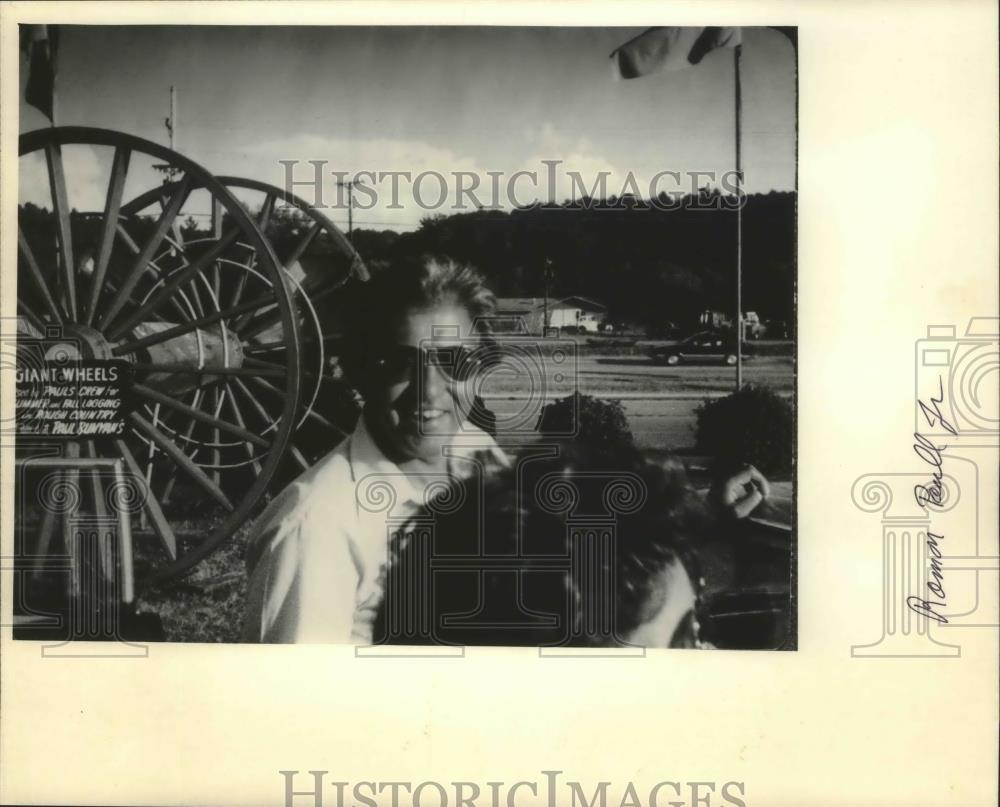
(518,315)
(568,312)
(579,312)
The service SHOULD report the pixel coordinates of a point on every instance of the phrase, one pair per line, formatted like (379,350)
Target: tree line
(647,264)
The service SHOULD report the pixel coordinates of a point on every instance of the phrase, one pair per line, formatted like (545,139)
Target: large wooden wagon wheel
(130,283)
(319,264)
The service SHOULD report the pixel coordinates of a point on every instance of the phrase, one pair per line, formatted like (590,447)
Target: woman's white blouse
(318,553)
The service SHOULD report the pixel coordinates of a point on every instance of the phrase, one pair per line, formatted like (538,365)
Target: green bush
(600,424)
(754,425)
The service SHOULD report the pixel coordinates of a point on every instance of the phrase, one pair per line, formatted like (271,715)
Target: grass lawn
(207,605)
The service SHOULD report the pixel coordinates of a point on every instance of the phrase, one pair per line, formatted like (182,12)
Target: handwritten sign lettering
(81,399)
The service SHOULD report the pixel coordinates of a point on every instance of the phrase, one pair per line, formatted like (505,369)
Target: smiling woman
(408,356)
(319,554)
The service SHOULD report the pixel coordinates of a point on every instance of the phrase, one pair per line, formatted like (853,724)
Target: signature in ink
(932,493)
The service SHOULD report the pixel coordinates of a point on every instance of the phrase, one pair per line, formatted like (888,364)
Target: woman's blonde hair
(406,285)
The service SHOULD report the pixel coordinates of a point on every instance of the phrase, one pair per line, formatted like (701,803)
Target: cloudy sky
(418,99)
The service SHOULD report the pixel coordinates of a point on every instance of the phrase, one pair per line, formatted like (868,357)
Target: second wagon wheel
(320,267)
(127,284)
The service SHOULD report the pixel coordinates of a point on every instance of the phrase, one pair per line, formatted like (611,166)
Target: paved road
(659,401)
(607,373)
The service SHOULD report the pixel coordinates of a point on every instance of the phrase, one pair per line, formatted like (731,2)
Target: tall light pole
(737,52)
(546,277)
(170,122)
(350,206)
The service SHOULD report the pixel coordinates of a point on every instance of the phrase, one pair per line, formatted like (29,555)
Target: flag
(670,49)
(40,43)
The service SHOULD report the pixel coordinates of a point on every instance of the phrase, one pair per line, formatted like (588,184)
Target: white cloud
(439,170)
(86,179)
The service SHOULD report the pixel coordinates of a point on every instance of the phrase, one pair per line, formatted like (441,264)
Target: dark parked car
(702,347)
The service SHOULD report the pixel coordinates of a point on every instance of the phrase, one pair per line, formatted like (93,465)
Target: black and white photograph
(499,404)
(407,335)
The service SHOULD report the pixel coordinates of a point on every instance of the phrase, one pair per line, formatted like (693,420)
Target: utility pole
(546,277)
(350,206)
(170,122)
(737,52)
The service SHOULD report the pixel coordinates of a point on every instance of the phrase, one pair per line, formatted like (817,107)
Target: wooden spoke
(258,407)
(251,327)
(186,327)
(237,414)
(173,207)
(178,244)
(126,239)
(217,216)
(302,245)
(36,321)
(269,347)
(176,237)
(183,369)
(105,554)
(112,204)
(151,506)
(312,414)
(168,486)
(300,460)
(177,279)
(64,235)
(36,275)
(72,477)
(266,211)
(217,283)
(309,413)
(250,361)
(255,403)
(264,347)
(272,318)
(237,295)
(200,416)
(216,454)
(174,302)
(196,296)
(185,463)
(152,269)
(241,323)
(45,532)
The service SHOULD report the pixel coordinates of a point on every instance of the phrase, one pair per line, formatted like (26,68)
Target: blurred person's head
(543,519)
(408,354)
